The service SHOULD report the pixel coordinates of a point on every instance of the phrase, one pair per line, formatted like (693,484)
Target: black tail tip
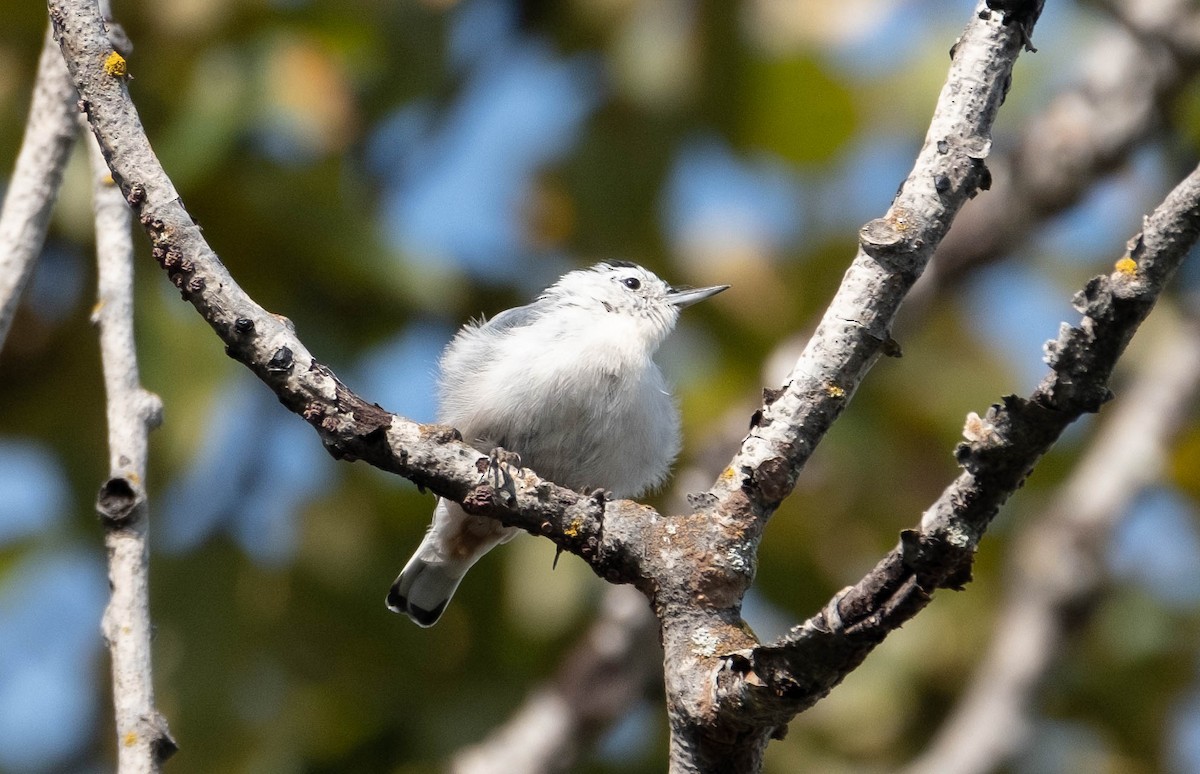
(398,603)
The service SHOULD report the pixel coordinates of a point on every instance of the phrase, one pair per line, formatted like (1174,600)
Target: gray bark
(143,741)
(727,693)
(50,132)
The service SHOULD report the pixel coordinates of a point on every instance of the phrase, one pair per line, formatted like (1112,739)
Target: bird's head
(625,295)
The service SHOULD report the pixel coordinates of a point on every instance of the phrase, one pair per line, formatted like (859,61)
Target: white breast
(585,411)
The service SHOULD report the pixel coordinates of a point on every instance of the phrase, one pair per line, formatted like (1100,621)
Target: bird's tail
(455,541)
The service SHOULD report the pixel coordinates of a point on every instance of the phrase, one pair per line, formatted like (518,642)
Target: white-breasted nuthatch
(567,382)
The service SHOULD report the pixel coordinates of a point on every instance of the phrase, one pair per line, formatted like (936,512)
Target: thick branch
(1000,450)
(893,252)
(855,330)
(351,428)
(696,567)
(49,134)
(1059,563)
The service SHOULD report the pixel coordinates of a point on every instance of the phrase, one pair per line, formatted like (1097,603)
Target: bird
(569,384)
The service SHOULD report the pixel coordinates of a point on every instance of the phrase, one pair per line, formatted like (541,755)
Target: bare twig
(1058,564)
(49,134)
(726,693)
(143,741)
(607,670)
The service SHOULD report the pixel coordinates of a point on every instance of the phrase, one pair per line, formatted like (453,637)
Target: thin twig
(607,670)
(697,564)
(143,741)
(50,133)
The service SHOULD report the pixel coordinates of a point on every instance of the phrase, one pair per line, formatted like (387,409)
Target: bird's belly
(623,443)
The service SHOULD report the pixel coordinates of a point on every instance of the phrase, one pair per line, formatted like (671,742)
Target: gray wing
(470,353)
(509,319)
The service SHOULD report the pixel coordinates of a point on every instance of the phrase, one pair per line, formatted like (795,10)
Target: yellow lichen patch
(115,65)
(727,474)
(835,391)
(131,738)
(573,528)
(1127,266)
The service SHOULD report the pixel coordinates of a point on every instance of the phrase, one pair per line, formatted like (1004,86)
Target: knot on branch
(770,481)
(281,361)
(117,502)
(1023,13)
(940,559)
(984,436)
(162,743)
(888,237)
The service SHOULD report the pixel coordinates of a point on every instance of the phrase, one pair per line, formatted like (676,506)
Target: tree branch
(1086,132)
(726,693)
(695,567)
(431,456)
(1058,565)
(893,252)
(855,330)
(143,741)
(1000,450)
(50,132)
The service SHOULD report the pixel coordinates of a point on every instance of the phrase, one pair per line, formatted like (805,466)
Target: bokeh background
(379,172)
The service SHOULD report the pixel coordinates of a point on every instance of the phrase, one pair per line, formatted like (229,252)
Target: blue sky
(455,177)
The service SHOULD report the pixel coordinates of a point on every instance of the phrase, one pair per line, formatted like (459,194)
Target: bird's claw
(497,473)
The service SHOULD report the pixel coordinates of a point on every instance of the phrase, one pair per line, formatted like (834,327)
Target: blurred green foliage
(296,666)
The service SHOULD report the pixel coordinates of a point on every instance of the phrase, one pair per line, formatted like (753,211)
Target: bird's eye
(633,283)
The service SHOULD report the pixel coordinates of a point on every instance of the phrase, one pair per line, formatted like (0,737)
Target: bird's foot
(500,462)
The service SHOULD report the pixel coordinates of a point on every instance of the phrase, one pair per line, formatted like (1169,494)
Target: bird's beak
(682,297)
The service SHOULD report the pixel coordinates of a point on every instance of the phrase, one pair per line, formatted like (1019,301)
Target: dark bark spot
(772,479)
(479,500)
(136,195)
(377,439)
(280,362)
(985,176)
(116,502)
